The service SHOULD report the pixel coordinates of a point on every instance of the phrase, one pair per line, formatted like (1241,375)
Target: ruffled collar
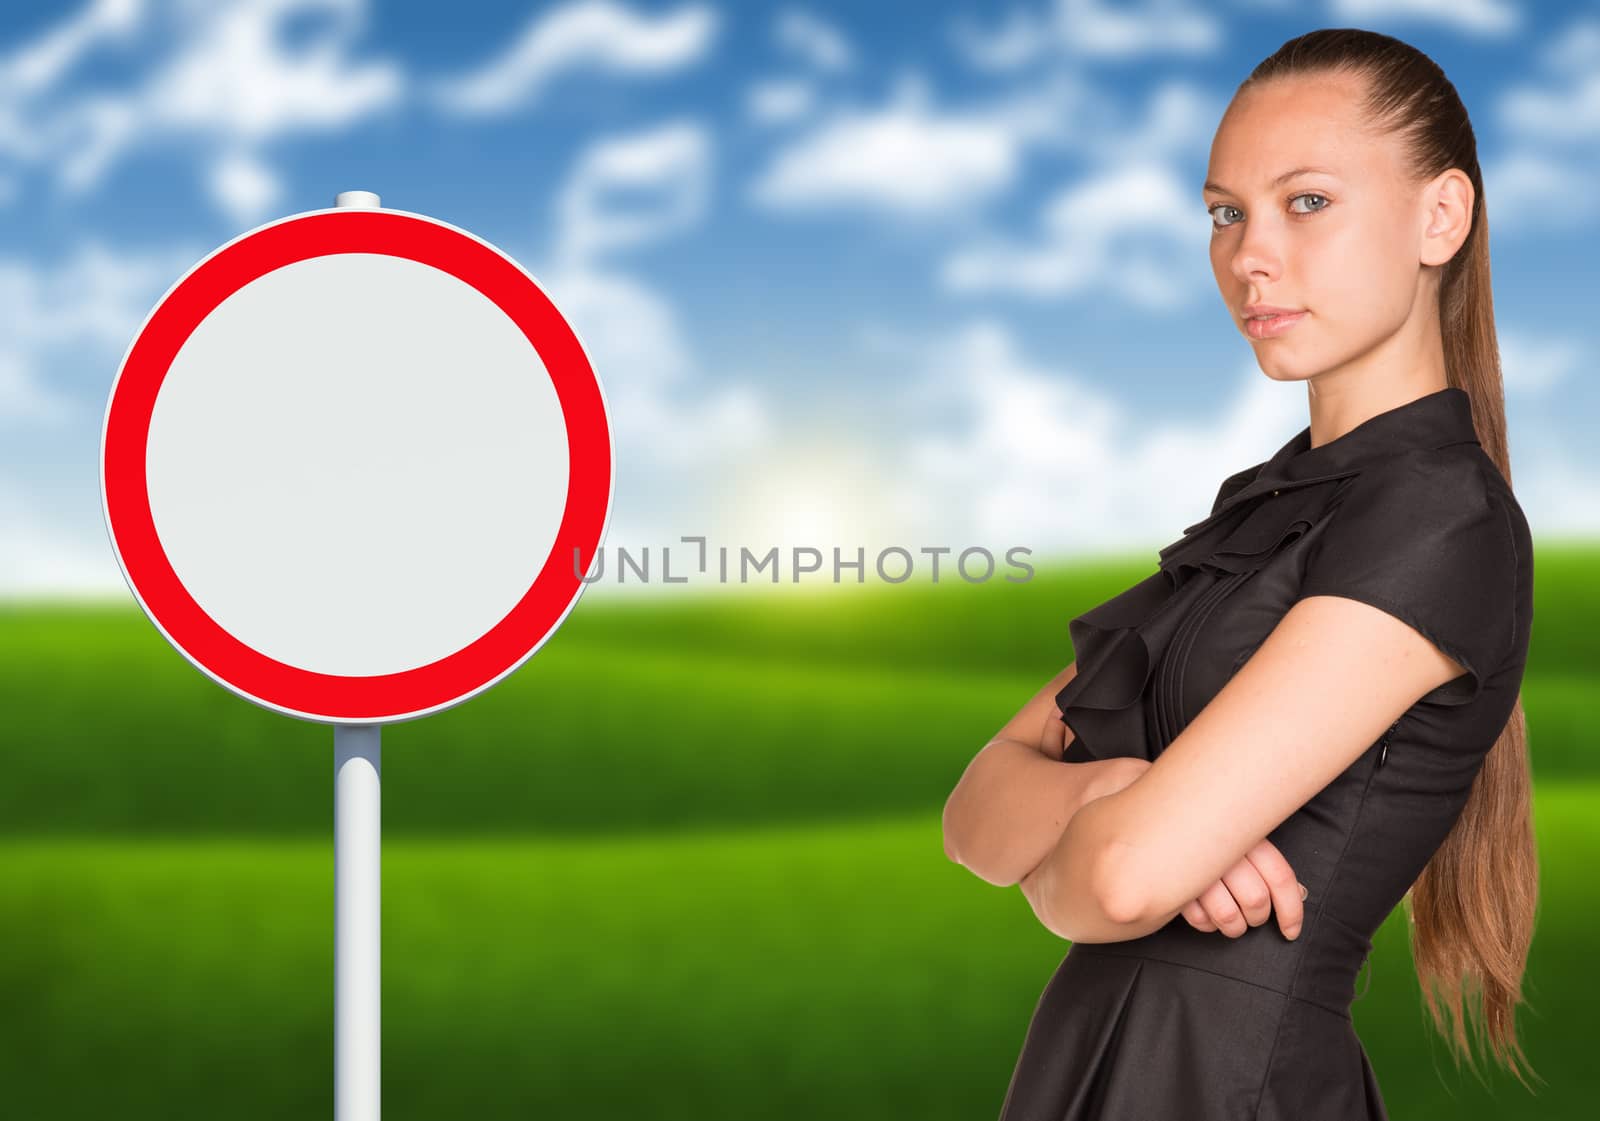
(1119,642)
(1435,420)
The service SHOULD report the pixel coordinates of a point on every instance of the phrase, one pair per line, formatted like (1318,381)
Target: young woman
(1312,709)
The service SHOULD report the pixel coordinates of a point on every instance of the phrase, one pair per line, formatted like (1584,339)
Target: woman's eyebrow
(1290,174)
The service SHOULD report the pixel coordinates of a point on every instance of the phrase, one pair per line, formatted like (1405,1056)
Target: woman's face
(1339,244)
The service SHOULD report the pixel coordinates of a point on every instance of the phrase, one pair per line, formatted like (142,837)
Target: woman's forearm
(1009,809)
(1076,890)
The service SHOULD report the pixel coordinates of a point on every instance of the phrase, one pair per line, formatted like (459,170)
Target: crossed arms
(1099,866)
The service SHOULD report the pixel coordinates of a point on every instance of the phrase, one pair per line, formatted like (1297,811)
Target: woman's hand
(1251,890)
(1053,737)
(1105,776)
(1261,883)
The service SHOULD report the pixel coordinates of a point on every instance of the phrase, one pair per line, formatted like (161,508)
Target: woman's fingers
(1196,914)
(1222,910)
(1250,892)
(1288,895)
(1053,738)
(1262,883)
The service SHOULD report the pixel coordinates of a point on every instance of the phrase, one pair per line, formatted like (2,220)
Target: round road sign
(352,464)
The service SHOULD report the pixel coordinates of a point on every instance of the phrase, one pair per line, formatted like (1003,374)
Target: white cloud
(101,129)
(90,303)
(911,159)
(1527,190)
(24,397)
(988,444)
(234,78)
(1564,115)
(587,34)
(40,64)
(672,160)
(780,101)
(94,295)
(63,329)
(708,431)
(1575,49)
(814,40)
(1479,17)
(1557,494)
(1532,364)
(788,100)
(675,435)
(230,83)
(244,186)
(631,332)
(1023,37)
(1178,118)
(1002,449)
(1553,130)
(1133,231)
(34,70)
(1089,29)
(39,557)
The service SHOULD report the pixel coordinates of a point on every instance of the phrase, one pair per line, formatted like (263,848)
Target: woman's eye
(1215,210)
(1223,207)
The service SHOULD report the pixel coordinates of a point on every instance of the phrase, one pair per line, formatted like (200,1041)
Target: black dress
(1405,512)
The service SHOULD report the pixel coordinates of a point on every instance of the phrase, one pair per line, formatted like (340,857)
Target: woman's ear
(1448,200)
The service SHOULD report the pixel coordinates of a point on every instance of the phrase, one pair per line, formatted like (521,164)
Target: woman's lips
(1271,326)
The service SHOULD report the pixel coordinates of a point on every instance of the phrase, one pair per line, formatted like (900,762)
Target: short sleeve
(1425,539)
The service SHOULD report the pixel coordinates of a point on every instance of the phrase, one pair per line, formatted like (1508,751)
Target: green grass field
(685,863)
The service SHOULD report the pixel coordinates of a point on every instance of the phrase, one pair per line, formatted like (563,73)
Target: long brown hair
(1473,908)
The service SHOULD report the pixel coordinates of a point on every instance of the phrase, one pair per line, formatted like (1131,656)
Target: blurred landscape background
(923,275)
(686,862)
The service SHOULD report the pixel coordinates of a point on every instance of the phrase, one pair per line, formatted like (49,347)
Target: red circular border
(201,638)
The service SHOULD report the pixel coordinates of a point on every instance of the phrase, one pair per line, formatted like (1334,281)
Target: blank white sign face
(357,464)
(356,467)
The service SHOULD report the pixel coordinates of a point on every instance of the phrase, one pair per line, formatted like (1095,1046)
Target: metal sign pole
(357,759)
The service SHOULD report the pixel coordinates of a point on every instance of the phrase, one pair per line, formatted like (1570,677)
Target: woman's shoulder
(1437,488)
(1436,537)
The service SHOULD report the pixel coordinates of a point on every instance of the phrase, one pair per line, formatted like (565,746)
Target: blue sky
(852,274)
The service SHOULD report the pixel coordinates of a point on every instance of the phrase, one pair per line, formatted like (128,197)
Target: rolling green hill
(686,863)
(775,705)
